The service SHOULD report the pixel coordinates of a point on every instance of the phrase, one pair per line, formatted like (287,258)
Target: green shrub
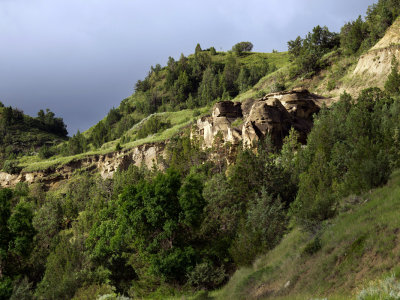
(11,167)
(312,247)
(213,51)
(5,288)
(331,85)
(205,275)
(153,125)
(45,152)
(22,290)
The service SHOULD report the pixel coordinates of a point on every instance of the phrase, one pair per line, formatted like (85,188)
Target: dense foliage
(351,149)
(150,232)
(307,53)
(360,35)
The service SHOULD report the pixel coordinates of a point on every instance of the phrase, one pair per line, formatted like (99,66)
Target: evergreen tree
(392,84)
(230,74)
(243,80)
(352,35)
(207,91)
(197,50)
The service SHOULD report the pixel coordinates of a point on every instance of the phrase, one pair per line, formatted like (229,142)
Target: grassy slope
(178,119)
(361,244)
(23,138)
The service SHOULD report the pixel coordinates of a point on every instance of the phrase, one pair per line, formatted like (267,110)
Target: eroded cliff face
(245,123)
(250,121)
(374,66)
(106,165)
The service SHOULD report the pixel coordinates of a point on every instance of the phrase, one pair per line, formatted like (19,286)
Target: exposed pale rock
(106,165)
(273,114)
(228,109)
(266,117)
(374,66)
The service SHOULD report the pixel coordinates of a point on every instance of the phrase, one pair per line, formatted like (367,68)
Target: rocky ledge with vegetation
(263,189)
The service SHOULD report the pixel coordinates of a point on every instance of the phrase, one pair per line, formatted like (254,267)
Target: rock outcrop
(106,165)
(247,123)
(250,121)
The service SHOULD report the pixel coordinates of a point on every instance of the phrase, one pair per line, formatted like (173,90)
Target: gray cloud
(81,58)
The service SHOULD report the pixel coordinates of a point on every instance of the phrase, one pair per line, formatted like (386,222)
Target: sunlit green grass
(359,245)
(178,121)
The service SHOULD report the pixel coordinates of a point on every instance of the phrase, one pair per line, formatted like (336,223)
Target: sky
(80,58)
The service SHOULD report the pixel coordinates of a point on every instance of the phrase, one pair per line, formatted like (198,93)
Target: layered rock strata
(106,165)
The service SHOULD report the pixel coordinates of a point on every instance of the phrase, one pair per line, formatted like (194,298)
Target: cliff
(250,121)
(105,165)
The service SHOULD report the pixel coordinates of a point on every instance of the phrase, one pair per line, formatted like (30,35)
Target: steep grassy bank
(361,244)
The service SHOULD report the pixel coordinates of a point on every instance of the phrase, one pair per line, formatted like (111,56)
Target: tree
(241,47)
(307,53)
(213,51)
(5,213)
(182,86)
(21,230)
(207,92)
(294,47)
(230,74)
(52,124)
(191,200)
(243,80)
(197,50)
(352,35)
(77,144)
(392,84)
(264,225)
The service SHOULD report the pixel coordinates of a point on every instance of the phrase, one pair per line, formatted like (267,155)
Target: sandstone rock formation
(273,114)
(246,123)
(106,165)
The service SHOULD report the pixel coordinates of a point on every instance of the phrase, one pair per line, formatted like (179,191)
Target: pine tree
(392,85)
(197,50)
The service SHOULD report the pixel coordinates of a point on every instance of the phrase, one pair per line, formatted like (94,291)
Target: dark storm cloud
(81,58)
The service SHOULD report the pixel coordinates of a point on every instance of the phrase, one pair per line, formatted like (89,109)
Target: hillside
(22,135)
(225,175)
(349,254)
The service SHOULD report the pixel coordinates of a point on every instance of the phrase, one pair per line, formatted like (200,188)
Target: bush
(205,275)
(11,167)
(153,125)
(331,85)
(45,152)
(312,247)
(5,287)
(118,147)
